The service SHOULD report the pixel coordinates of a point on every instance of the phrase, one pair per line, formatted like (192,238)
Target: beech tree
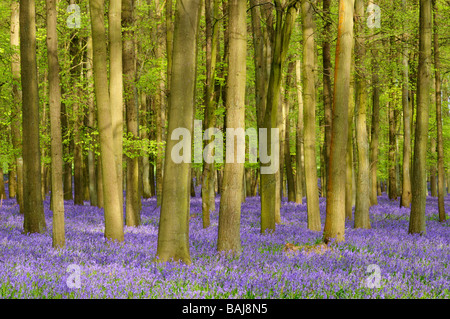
(362,219)
(55,124)
(34,219)
(132,211)
(112,202)
(418,184)
(438,98)
(173,233)
(270,194)
(116,87)
(335,210)
(16,185)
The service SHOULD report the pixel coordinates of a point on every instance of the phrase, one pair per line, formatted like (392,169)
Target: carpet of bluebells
(411,266)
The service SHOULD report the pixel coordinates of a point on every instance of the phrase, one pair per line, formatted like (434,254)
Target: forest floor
(290,263)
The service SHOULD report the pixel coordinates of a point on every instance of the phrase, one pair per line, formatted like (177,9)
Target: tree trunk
(300,172)
(287,147)
(349,172)
(362,219)
(309,115)
(55,125)
(405,200)
(67,149)
(375,189)
(335,211)
(2,185)
(392,143)
(99,183)
(34,219)
(327,93)
(268,183)
(212,38)
(173,235)
(116,88)
(146,186)
(433,182)
(229,239)
(16,187)
(110,179)
(418,186)
(132,210)
(91,123)
(440,140)
(160,104)
(75,72)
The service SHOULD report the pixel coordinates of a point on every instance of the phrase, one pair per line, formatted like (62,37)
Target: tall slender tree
(132,210)
(362,219)
(212,38)
(335,210)
(116,87)
(438,98)
(17,169)
(112,200)
(405,200)
(55,125)
(229,238)
(375,127)
(75,77)
(299,176)
(327,92)
(93,194)
(285,18)
(309,114)
(418,185)
(34,219)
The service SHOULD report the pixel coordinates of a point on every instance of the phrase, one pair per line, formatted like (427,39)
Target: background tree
(309,106)
(129,70)
(362,219)
(55,123)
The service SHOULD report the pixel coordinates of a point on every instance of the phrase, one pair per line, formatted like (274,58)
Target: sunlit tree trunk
(132,210)
(55,125)
(349,172)
(405,200)
(116,87)
(309,115)
(112,200)
(299,136)
(173,234)
(75,73)
(335,211)
(285,19)
(160,102)
(418,185)
(440,140)
(212,38)
(16,187)
(90,123)
(229,239)
(362,219)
